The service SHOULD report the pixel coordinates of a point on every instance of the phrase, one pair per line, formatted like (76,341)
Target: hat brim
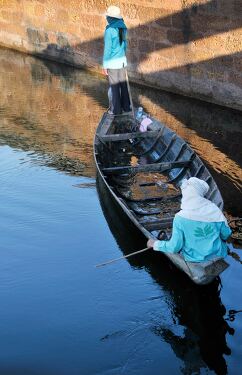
(110,15)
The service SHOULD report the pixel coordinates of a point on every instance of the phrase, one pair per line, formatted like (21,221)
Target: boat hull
(108,141)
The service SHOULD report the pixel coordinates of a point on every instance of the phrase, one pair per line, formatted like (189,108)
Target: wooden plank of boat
(155,167)
(148,199)
(145,213)
(152,208)
(157,224)
(128,136)
(155,141)
(106,122)
(171,148)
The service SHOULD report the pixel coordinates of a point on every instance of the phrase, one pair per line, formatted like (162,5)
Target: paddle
(130,96)
(123,257)
(129,255)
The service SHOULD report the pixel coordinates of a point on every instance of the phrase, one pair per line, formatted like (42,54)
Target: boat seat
(127,136)
(155,167)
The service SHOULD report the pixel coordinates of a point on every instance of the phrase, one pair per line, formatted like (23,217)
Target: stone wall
(193,47)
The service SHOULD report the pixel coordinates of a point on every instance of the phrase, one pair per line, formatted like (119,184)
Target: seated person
(199,229)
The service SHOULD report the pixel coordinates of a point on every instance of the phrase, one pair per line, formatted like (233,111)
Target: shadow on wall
(205,79)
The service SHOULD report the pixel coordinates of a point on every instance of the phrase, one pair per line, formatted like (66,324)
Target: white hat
(114,12)
(200,186)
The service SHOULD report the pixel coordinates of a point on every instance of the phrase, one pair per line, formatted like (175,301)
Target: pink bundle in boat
(144,124)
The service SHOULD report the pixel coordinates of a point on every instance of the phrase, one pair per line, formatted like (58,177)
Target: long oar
(126,256)
(130,96)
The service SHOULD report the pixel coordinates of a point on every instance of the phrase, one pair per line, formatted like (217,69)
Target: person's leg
(125,101)
(115,88)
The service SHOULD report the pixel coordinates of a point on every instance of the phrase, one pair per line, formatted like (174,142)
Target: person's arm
(225,232)
(107,48)
(174,245)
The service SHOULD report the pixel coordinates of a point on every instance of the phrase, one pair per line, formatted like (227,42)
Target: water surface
(59,315)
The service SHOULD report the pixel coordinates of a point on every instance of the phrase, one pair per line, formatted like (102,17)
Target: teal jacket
(197,241)
(114,54)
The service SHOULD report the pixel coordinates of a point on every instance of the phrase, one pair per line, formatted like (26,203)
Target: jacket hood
(115,23)
(195,207)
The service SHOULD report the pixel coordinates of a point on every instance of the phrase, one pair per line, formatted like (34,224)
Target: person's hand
(105,72)
(162,236)
(150,243)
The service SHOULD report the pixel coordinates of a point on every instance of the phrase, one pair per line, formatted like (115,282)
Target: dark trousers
(119,88)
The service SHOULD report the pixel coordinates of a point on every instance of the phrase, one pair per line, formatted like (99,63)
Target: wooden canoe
(143,172)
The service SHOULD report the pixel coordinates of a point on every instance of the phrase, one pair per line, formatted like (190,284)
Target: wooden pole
(123,257)
(130,96)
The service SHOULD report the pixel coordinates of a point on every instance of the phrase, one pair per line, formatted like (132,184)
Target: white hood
(196,207)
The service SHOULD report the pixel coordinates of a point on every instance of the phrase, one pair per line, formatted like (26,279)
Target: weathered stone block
(16,17)
(130,11)
(62,16)
(36,37)
(62,40)
(86,34)
(201,87)
(159,46)
(147,14)
(133,57)
(227,62)
(159,34)
(237,8)
(178,19)
(143,31)
(237,62)
(235,78)
(185,70)
(209,7)
(95,22)
(132,44)
(39,10)
(175,36)
(172,5)
(52,38)
(8,27)
(145,46)
(164,20)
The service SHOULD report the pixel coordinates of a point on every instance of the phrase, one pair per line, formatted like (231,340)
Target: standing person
(199,229)
(115,61)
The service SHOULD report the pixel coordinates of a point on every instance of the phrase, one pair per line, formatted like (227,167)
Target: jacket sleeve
(175,244)
(107,47)
(225,232)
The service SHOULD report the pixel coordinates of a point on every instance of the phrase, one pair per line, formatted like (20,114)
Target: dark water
(59,315)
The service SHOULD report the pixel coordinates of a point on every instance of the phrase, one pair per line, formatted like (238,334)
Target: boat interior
(145,170)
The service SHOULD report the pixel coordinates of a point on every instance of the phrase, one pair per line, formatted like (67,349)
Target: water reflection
(51,111)
(54,109)
(48,114)
(197,329)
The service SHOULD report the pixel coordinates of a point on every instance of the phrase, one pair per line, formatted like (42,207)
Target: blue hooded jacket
(198,241)
(114,54)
